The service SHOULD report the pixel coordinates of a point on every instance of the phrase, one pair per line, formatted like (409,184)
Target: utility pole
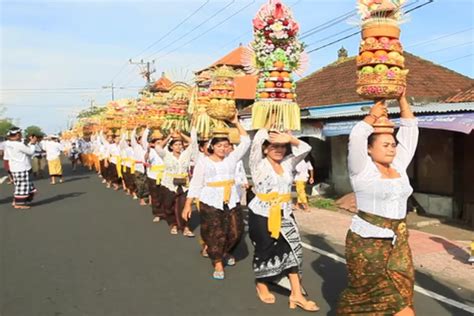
(112,87)
(146,66)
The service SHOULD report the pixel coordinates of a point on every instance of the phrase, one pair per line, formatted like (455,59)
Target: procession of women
(182,151)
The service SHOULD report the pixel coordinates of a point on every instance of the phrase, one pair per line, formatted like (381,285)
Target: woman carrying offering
(156,168)
(272,228)
(213,183)
(379,260)
(176,178)
(140,146)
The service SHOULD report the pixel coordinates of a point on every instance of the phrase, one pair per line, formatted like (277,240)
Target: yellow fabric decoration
(287,115)
(118,165)
(159,172)
(227,185)
(274,215)
(301,192)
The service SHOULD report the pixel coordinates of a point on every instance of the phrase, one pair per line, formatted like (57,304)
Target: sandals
(308,306)
(218,275)
(22,207)
(230,261)
(188,233)
(267,300)
(174,230)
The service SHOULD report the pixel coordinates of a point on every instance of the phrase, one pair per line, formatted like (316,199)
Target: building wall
(339,170)
(434,162)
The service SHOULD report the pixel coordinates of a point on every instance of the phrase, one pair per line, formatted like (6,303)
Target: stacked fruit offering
(222,103)
(177,114)
(276,84)
(380,65)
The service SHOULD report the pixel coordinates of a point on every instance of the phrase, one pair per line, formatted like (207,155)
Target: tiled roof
(162,84)
(463,96)
(336,83)
(234,58)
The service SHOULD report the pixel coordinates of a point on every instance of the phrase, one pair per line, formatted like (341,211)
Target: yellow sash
(159,172)
(227,185)
(124,164)
(118,165)
(301,192)
(274,215)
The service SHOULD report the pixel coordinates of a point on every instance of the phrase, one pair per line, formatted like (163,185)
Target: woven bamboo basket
(222,112)
(380,29)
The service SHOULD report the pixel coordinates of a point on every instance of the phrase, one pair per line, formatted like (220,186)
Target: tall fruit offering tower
(381,72)
(275,55)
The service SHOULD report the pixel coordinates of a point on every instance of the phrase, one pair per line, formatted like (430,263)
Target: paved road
(86,250)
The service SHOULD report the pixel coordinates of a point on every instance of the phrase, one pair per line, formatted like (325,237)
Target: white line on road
(419,289)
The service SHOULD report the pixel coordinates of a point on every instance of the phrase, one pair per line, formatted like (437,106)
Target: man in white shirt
(53,149)
(19,156)
(304,170)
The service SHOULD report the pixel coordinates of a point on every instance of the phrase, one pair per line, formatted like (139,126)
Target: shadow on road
(74,179)
(56,198)
(457,252)
(332,272)
(6,200)
(334,275)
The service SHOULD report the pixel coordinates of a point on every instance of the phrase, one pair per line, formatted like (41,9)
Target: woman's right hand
(187,210)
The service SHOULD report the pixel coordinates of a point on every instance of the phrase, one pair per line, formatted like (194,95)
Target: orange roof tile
(336,83)
(234,58)
(162,84)
(463,96)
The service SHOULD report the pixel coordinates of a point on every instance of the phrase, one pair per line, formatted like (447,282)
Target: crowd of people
(177,174)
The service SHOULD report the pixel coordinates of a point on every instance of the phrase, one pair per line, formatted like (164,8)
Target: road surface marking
(419,289)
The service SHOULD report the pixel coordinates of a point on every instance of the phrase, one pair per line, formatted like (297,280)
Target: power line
(331,36)
(455,59)
(193,29)
(438,38)
(210,29)
(175,28)
(449,47)
(358,32)
(57,89)
(328,24)
(161,38)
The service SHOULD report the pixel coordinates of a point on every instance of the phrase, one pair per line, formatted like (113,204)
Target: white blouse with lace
(266,180)
(153,160)
(207,171)
(139,149)
(177,166)
(374,194)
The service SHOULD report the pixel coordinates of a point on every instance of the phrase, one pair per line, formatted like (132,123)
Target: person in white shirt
(112,162)
(213,183)
(19,158)
(155,170)
(272,228)
(53,149)
(175,180)
(379,261)
(128,166)
(140,147)
(304,174)
(6,165)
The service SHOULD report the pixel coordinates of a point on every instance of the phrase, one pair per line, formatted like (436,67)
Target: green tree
(5,125)
(33,130)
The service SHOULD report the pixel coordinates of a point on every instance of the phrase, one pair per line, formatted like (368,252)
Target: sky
(56,57)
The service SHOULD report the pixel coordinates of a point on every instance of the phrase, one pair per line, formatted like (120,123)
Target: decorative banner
(275,54)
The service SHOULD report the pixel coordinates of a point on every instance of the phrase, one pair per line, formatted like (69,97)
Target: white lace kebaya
(177,166)
(266,180)
(374,194)
(208,171)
